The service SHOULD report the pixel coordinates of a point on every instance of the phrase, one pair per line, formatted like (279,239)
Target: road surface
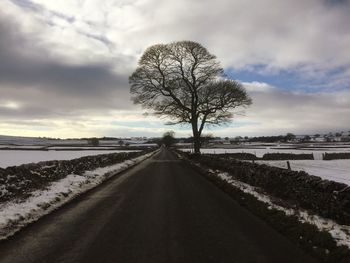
(159,211)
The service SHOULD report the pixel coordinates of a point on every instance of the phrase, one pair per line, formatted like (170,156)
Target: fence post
(288,165)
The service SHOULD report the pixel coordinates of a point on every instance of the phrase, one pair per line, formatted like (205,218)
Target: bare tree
(181,81)
(168,138)
(94,141)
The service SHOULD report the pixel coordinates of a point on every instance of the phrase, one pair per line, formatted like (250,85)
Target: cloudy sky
(64,65)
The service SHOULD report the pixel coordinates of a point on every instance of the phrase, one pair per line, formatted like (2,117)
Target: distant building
(318,139)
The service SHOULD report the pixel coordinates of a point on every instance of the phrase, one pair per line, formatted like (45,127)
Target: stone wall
(287,156)
(20,181)
(267,156)
(239,156)
(299,189)
(335,156)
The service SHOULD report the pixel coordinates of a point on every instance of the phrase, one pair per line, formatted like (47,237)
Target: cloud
(277,112)
(256,86)
(279,35)
(44,85)
(68,61)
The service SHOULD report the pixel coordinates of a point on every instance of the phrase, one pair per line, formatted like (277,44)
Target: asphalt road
(159,211)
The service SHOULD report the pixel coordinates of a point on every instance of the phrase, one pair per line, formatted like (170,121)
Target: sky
(64,65)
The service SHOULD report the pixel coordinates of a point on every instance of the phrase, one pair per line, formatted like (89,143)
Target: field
(334,170)
(22,150)
(259,151)
(18,157)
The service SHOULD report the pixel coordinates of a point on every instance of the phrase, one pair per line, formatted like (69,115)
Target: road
(159,211)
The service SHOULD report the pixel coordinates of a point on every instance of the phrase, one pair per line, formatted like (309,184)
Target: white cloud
(256,86)
(10,105)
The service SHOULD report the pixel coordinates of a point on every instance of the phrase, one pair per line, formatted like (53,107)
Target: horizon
(65,65)
(158,137)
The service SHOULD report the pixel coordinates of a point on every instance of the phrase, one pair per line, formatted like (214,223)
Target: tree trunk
(196,138)
(197,144)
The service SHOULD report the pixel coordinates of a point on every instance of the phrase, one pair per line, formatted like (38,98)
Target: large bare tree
(183,81)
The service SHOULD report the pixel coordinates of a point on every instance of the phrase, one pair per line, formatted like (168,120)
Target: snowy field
(21,146)
(259,152)
(82,147)
(334,170)
(32,142)
(18,157)
(15,215)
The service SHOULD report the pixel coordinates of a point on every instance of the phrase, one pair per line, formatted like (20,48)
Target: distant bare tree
(121,142)
(206,138)
(181,81)
(290,137)
(168,138)
(94,141)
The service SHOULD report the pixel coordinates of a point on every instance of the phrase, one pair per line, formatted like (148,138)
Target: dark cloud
(101,38)
(337,2)
(78,80)
(298,112)
(30,76)
(28,5)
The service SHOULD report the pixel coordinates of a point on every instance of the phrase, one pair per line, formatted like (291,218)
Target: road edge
(307,237)
(18,221)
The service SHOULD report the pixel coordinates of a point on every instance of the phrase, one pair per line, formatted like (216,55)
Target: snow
(334,170)
(143,145)
(14,215)
(82,147)
(104,147)
(21,146)
(259,152)
(19,140)
(18,157)
(340,233)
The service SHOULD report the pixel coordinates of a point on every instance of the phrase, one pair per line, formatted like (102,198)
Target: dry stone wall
(299,189)
(335,156)
(20,181)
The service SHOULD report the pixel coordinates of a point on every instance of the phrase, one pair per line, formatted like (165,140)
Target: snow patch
(18,157)
(340,233)
(14,215)
(333,170)
(259,151)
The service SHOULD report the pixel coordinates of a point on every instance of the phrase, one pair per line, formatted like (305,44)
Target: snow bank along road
(159,211)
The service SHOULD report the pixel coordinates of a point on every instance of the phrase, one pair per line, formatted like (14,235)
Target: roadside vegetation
(18,182)
(311,212)
(27,192)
